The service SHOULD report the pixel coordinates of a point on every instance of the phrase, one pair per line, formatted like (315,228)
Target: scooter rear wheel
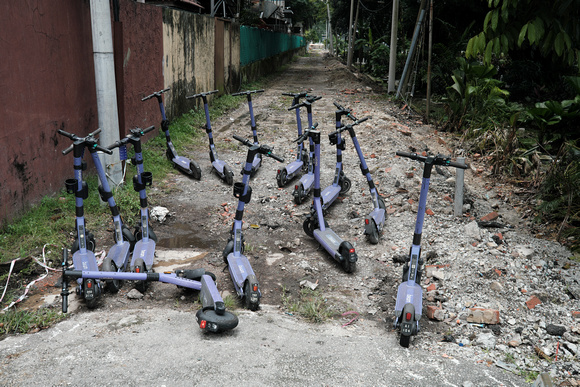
(404,341)
(281,178)
(248,304)
(305,161)
(139,267)
(195,170)
(228,175)
(112,285)
(299,194)
(347,265)
(214,322)
(373,236)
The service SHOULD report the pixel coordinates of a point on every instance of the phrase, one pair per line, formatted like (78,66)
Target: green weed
(23,321)
(310,304)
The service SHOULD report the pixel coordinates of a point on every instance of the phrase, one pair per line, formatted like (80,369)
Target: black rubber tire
(381,203)
(228,175)
(373,237)
(139,267)
(228,250)
(308,227)
(347,266)
(282,177)
(345,185)
(113,286)
(225,322)
(299,197)
(253,306)
(128,236)
(195,170)
(405,341)
(139,235)
(305,161)
(170,157)
(92,303)
(91,244)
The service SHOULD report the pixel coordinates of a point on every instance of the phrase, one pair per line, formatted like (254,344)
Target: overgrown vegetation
(22,321)
(309,304)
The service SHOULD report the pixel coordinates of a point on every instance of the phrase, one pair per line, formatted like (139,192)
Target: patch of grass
(23,321)
(529,375)
(231,302)
(310,304)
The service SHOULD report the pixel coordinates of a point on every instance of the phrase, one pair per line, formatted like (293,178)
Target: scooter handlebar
(248,92)
(263,149)
(74,137)
(304,135)
(296,95)
(136,132)
(439,159)
(204,94)
(156,94)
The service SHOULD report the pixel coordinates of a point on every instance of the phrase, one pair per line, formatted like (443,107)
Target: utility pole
(329,35)
(428,107)
(105,85)
(393,48)
(349,52)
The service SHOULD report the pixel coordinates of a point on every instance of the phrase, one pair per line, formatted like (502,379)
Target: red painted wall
(48,83)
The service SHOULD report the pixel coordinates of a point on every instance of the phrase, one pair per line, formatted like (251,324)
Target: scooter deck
(307,181)
(409,293)
(219,166)
(294,167)
(119,253)
(146,251)
(239,268)
(329,195)
(378,215)
(85,261)
(181,162)
(329,240)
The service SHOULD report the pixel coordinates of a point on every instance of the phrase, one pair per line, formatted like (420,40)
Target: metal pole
(349,55)
(330,37)
(105,85)
(428,107)
(412,48)
(459,182)
(393,48)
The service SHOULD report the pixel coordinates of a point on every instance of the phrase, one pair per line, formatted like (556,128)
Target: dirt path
(468,265)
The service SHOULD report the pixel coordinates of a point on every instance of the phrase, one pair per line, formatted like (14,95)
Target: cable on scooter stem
(156,94)
(248,92)
(437,160)
(263,149)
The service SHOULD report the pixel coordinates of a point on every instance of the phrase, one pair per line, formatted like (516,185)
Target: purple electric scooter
(219,166)
(257,162)
(243,276)
(315,225)
(183,164)
(284,175)
(375,221)
(304,186)
(409,305)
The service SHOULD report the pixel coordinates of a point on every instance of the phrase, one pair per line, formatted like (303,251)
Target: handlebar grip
(104,149)
(406,154)
(66,134)
(116,144)
(95,132)
(296,106)
(363,120)
(275,157)
(147,130)
(67,150)
(316,98)
(338,106)
(457,165)
(242,140)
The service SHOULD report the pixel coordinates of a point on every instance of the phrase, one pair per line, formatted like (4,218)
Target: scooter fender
(119,254)
(408,321)
(182,162)
(219,165)
(255,293)
(146,251)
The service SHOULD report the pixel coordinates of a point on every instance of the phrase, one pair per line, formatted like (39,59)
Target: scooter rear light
(296,187)
(137,270)
(351,251)
(89,284)
(278,172)
(255,288)
(202,324)
(366,221)
(408,316)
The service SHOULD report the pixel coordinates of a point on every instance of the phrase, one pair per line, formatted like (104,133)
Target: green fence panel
(257,44)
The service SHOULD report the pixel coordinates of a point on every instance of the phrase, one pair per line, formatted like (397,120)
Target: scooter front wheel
(373,235)
(139,234)
(345,185)
(112,285)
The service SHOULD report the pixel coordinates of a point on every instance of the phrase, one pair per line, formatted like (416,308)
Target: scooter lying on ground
(243,276)
(304,186)
(212,317)
(221,167)
(144,250)
(84,246)
(409,305)
(181,163)
(315,225)
(284,175)
(257,162)
(375,221)
(340,184)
